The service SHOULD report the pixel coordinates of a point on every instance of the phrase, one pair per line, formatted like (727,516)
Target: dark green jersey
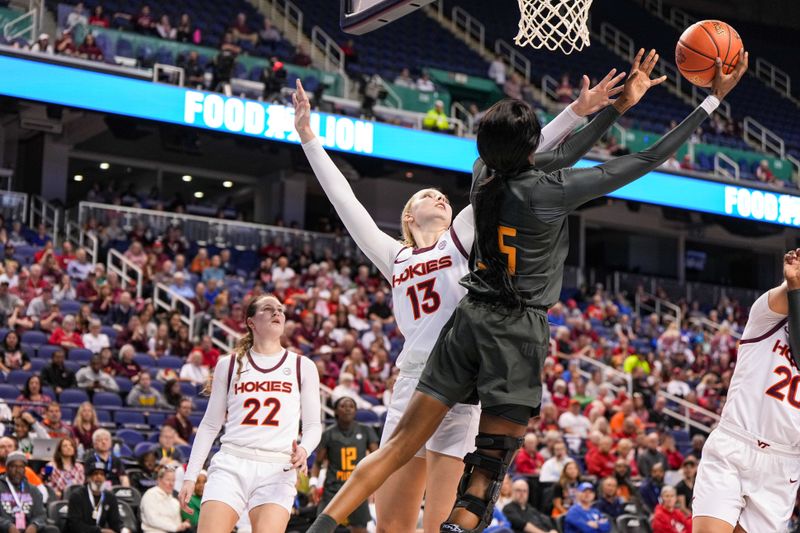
(345,450)
(532,229)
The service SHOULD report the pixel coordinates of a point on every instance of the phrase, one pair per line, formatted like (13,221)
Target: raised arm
(582,185)
(379,247)
(788,295)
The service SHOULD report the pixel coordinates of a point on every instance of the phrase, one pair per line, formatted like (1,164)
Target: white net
(554,24)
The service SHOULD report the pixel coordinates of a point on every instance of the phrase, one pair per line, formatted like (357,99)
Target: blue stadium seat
(158,385)
(141,448)
(3,333)
(200,404)
(170,361)
(188,389)
(129,418)
(195,419)
(46,351)
(38,364)
(110,332)
(366,416)
(156,419)
(104,416)
(74,366)
(144,360)
(106,399)
(8,392)
(185,450)
(69,307)
(73,396)
(130,437)
(33,337)
(29,350)
(81,355)
(125,385)
(18,377)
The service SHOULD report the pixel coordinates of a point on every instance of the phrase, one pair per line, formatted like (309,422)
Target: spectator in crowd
(196,499)
(29,515)
(78,268)
(40,305)
(685,487)
(52,424)
(650,455)
(195,74)
(182,345)
(126,367)
(92,378)
(143,22)
(172,392)
(193,371)
(572,422)
(85,424)
(136,254)
(554,466)
(65,45)
(66,335)
(65,469)
(144,478)
(77,17)
(436,119)
(166,452)
(668,518)
(160,509)
(8,300)
(63,289)
(301,57)
(524,518)
(88,290)
(94,510)
(13,356)
(599,459)
(180,287)
(565,93)
(99,17)
(269,34)
(18,321)
(582,517)
(42,44)
(214,270)
(7,447)
(164,28)
(186,32)
(528,461)
(25,431)
(210,353)
(498,70)
(348,388)
(95,340)
(686,162)
(650,489)
(764,173)
(404,79)
(200,262)
(609,503)
(565,490)
(32,399)
(512,88)
(144,395)
(56,374)
(672,163)
(425,84)
(121,312)
(101,453)
(241,31)
(180,421)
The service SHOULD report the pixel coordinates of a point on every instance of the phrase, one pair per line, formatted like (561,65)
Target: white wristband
(710,104)
(313,482)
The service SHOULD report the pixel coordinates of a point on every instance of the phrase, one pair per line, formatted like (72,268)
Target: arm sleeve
(557,129)
(379,247)
(794,324)
(213,419)
(576,146)
(309,406)
(577,186)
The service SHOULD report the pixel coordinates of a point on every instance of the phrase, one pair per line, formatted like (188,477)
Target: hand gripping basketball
(724,83)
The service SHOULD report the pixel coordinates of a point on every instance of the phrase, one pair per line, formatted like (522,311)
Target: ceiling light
(104,166)
(227,184)
(78,177)
(198,194)
(187,178)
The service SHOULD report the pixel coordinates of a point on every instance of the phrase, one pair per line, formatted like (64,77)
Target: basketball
(701,44)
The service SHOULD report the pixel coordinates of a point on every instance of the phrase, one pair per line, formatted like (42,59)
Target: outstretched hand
(302,113)
(592,100)
(723,83)
(639,81)
(791,269)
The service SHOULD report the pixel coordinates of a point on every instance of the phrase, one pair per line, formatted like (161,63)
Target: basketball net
(554,24)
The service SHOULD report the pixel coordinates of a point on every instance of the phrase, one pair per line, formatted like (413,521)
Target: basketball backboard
(362,16)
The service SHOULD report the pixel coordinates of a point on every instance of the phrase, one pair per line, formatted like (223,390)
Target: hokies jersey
(264,404)
(425,292)
(764,395)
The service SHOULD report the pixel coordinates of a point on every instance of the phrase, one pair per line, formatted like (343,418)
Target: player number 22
(776,391)
(430,300)
(273,404)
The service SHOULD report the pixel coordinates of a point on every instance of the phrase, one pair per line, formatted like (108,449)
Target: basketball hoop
(554,24)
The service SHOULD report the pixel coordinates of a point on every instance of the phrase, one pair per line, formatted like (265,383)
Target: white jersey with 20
(764,395)
(425,292)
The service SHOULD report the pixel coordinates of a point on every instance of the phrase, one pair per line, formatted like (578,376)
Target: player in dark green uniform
(343,446)
(493,347)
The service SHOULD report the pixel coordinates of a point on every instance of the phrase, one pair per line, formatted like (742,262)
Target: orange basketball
(701,44)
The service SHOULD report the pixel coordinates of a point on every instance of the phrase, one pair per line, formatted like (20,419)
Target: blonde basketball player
(749,472)
(260,394)
(424,271)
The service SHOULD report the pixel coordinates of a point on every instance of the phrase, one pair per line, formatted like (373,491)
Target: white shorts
(744,479)
(455,436)
(244,484)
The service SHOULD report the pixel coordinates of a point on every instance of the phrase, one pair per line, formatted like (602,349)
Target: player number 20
(273,404)
(787,380)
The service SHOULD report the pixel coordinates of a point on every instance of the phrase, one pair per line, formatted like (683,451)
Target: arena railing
(129,273)
(43,212)
(210,231)
(469,25)
(704,292)
(14,205)
(164,298)
(715,327)
(659,306)
(290,15)
(687,412)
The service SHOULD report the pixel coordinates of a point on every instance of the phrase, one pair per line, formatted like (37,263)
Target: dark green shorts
(489,354)
(358,518)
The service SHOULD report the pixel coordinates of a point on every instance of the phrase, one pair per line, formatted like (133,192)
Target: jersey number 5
(430,298)
(254,405)
(505,249)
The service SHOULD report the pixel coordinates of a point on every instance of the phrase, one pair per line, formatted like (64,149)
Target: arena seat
(46,351)
(106,399)
(18,377)
(73,396)
(81,355)
(33,337)
(129,436)
(8,392)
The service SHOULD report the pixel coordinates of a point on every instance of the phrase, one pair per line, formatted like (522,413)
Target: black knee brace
(496,467)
